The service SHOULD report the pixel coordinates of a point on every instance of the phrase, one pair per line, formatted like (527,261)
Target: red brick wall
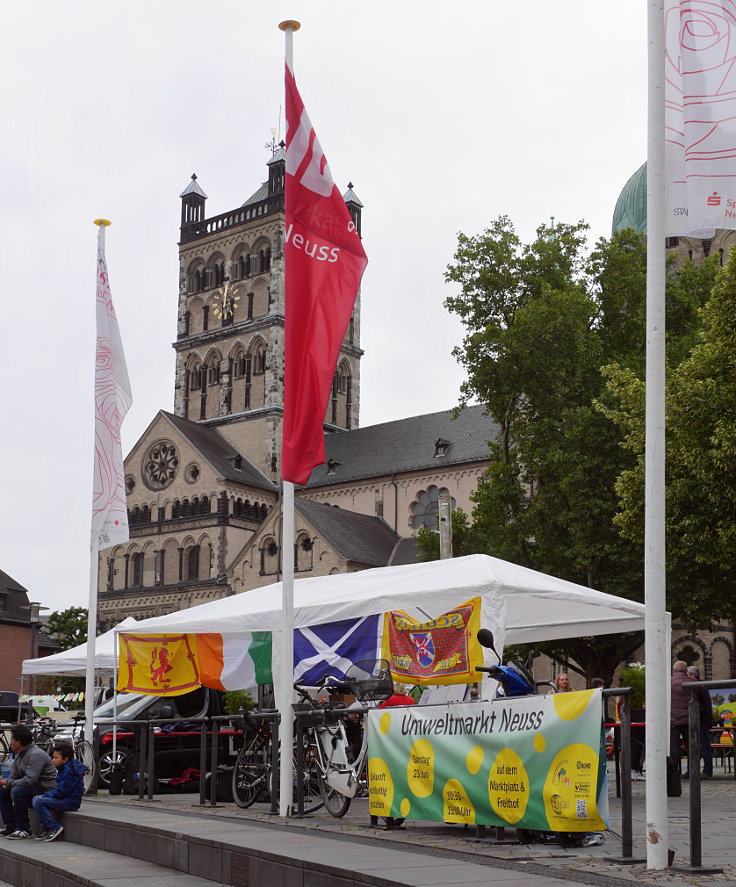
(15,646)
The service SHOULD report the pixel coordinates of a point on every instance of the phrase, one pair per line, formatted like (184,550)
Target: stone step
(62,863)
(246,853)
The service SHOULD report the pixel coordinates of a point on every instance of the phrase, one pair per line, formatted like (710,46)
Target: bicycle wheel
(84,752)
(336,804)
(250,773)
(310,777)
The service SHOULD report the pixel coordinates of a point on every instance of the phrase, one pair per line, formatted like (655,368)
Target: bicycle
(252,773)
(339,778)
(84,752)
(43,734)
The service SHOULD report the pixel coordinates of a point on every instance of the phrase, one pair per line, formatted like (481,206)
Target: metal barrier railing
(274,717)
(693,765)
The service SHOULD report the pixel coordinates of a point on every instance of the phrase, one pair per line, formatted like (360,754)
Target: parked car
(14,712)
(176,746)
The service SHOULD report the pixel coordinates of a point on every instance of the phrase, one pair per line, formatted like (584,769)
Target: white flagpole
(656,635)
(286,670)
(89,681)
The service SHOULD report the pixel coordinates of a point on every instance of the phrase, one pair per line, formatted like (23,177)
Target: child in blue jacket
(66,796)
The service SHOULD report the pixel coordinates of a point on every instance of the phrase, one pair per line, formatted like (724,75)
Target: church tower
(230,334)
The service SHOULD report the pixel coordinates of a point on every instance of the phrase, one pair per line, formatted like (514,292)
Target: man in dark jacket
(680,699)
(32,774)
(66,796)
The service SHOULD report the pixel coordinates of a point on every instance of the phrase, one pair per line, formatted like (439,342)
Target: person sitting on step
(66,796)
(32,774)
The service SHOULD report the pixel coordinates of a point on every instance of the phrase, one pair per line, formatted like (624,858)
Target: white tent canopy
(74,661)
(519,605)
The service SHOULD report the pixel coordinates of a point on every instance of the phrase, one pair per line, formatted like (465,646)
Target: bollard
(627,841)
(693,765)
(214,762)
(142,759)
(203,764)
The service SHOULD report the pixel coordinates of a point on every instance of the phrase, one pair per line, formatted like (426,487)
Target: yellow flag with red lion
(158,665)
(439,651)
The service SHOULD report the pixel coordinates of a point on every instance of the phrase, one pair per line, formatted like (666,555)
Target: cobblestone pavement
(578,865)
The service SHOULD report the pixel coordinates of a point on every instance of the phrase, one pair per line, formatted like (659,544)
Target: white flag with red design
(700,116)
(324,260)
(112,401)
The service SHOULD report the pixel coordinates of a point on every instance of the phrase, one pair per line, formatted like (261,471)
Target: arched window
(204,505)
(259,367)
(195,379)
(267,259)
(137,580)
(193,562)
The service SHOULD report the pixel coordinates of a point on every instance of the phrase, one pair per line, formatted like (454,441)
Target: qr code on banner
(581,808)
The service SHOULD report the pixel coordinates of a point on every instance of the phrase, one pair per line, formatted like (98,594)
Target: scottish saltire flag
(332,648)
(700,116)
(112,401)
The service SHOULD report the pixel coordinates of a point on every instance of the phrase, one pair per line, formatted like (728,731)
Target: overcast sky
(444,116)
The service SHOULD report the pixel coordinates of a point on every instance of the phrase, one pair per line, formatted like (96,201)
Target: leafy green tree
(69,626)
(701,446)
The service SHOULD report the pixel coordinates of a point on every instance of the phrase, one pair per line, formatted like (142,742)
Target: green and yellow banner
(533,762)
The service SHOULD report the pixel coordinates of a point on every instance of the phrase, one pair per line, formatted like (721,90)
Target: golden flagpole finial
(289,23)
(102,223)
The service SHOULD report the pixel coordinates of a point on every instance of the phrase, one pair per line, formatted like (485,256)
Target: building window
(193,562)
(213,374)
(137,569)
(250,306)
(425,508)
(259,367)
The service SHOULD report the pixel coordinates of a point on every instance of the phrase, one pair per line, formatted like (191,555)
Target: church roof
(260,194)
(631,206)
(356,537)
(220,453)
(406,445)
(193,188)
(351,197)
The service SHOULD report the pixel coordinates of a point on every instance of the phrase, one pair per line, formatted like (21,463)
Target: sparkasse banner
(534,762)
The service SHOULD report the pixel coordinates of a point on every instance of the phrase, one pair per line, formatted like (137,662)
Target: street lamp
(35,619)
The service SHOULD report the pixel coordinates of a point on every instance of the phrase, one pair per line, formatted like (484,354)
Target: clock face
(160,465)
(226,300)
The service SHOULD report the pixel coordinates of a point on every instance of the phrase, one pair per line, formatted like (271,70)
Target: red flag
(325,261)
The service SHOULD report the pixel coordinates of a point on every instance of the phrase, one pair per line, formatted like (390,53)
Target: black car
(176,745)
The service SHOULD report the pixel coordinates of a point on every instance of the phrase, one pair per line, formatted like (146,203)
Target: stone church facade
(203,482)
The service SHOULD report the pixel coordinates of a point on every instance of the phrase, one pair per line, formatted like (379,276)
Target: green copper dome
(631,206)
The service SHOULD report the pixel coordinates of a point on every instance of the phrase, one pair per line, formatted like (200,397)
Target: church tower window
(137,569)
(193,562)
